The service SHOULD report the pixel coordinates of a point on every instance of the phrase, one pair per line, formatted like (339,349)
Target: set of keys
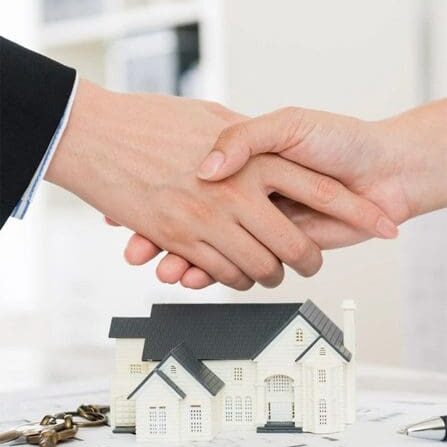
(53,429)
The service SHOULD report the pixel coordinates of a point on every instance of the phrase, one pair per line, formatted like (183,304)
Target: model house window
(293,410)
(153,428)
(157,420)
(279,384)
(238,409)
(323,412)
(173,370)
(322,376)
(228,409)
(162,420)
(299,336)
(195,419)
(322,351)
(248,409)
(269,411)
(238,375)
(136,368)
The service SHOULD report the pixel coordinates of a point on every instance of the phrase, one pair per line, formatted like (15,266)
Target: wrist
(75,163)
(418,139)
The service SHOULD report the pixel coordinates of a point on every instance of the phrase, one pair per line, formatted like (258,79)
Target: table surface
(381,412)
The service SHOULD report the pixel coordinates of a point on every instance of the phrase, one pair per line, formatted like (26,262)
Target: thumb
(272,132)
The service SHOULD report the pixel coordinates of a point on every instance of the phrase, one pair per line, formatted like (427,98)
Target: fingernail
(386,228)
(211,165)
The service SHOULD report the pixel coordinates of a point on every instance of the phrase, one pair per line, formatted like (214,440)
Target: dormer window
(238,375)
(299,336)
(173,370)
(322,351)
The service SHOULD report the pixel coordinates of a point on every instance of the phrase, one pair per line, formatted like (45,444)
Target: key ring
(92,415)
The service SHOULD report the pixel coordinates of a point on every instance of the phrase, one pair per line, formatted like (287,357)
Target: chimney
(349,309)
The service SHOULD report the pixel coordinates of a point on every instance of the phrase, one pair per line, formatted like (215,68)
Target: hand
(398,163)
(133,158)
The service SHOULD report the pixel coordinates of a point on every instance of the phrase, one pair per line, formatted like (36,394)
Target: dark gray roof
(129,327)
(164,377)
(196,368)
(221,331)
(325,327)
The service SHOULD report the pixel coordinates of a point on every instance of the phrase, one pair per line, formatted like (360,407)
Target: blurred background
(62,275)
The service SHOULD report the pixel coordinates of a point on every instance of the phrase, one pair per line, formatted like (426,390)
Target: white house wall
(196,394)
(156,393)
(280,355)
(332,392)
(279,358)
(128,354)
(235,389)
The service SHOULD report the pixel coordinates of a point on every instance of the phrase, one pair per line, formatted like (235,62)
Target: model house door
(280,398)
(281,411)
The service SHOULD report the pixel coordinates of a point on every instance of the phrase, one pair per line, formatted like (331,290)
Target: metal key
(16,433)
(20,435)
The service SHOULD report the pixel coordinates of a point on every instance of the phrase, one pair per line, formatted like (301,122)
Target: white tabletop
(386,402)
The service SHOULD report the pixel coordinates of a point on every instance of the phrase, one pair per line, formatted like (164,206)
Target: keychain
(53,429)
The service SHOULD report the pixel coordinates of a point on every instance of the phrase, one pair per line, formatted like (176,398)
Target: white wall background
(61,272)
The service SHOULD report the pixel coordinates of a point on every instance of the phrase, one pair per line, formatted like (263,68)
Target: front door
(280,399)
(281,411)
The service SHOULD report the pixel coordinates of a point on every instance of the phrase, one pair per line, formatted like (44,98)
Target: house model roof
(210,381)
(222,331)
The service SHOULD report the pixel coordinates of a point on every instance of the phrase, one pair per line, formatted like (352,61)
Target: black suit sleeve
(34,92)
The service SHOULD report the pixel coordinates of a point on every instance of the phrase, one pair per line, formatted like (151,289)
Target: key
(16,433)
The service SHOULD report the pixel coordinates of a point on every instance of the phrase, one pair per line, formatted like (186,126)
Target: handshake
(231,199)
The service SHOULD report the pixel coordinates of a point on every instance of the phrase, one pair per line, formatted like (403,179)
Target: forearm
(418,138)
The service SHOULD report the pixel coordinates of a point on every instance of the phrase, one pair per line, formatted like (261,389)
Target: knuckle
(236,132)
(292,112)
(326,190)
(267,271)
(231,276)
(297,250)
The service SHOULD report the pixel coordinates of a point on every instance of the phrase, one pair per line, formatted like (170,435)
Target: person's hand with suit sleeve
(398,163)
(134,158)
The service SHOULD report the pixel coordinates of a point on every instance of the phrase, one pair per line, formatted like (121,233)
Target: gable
(159,378)
(321,325)
(320,351)
(284,347)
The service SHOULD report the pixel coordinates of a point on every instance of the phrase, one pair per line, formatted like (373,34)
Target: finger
(195,278)
(250,255)
(172,268)
(328,233)
(140,250)
(283,238)
(218,266)
(328,196)
(111,222)
(272,132)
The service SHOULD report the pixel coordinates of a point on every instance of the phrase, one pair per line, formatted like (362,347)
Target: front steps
(279,427)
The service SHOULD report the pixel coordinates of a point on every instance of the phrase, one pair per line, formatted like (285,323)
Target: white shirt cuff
(23,204)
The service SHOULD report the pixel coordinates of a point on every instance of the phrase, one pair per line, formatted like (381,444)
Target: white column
(349,309)
(260,404)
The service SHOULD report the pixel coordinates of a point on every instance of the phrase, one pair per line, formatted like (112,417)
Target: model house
(190,371)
